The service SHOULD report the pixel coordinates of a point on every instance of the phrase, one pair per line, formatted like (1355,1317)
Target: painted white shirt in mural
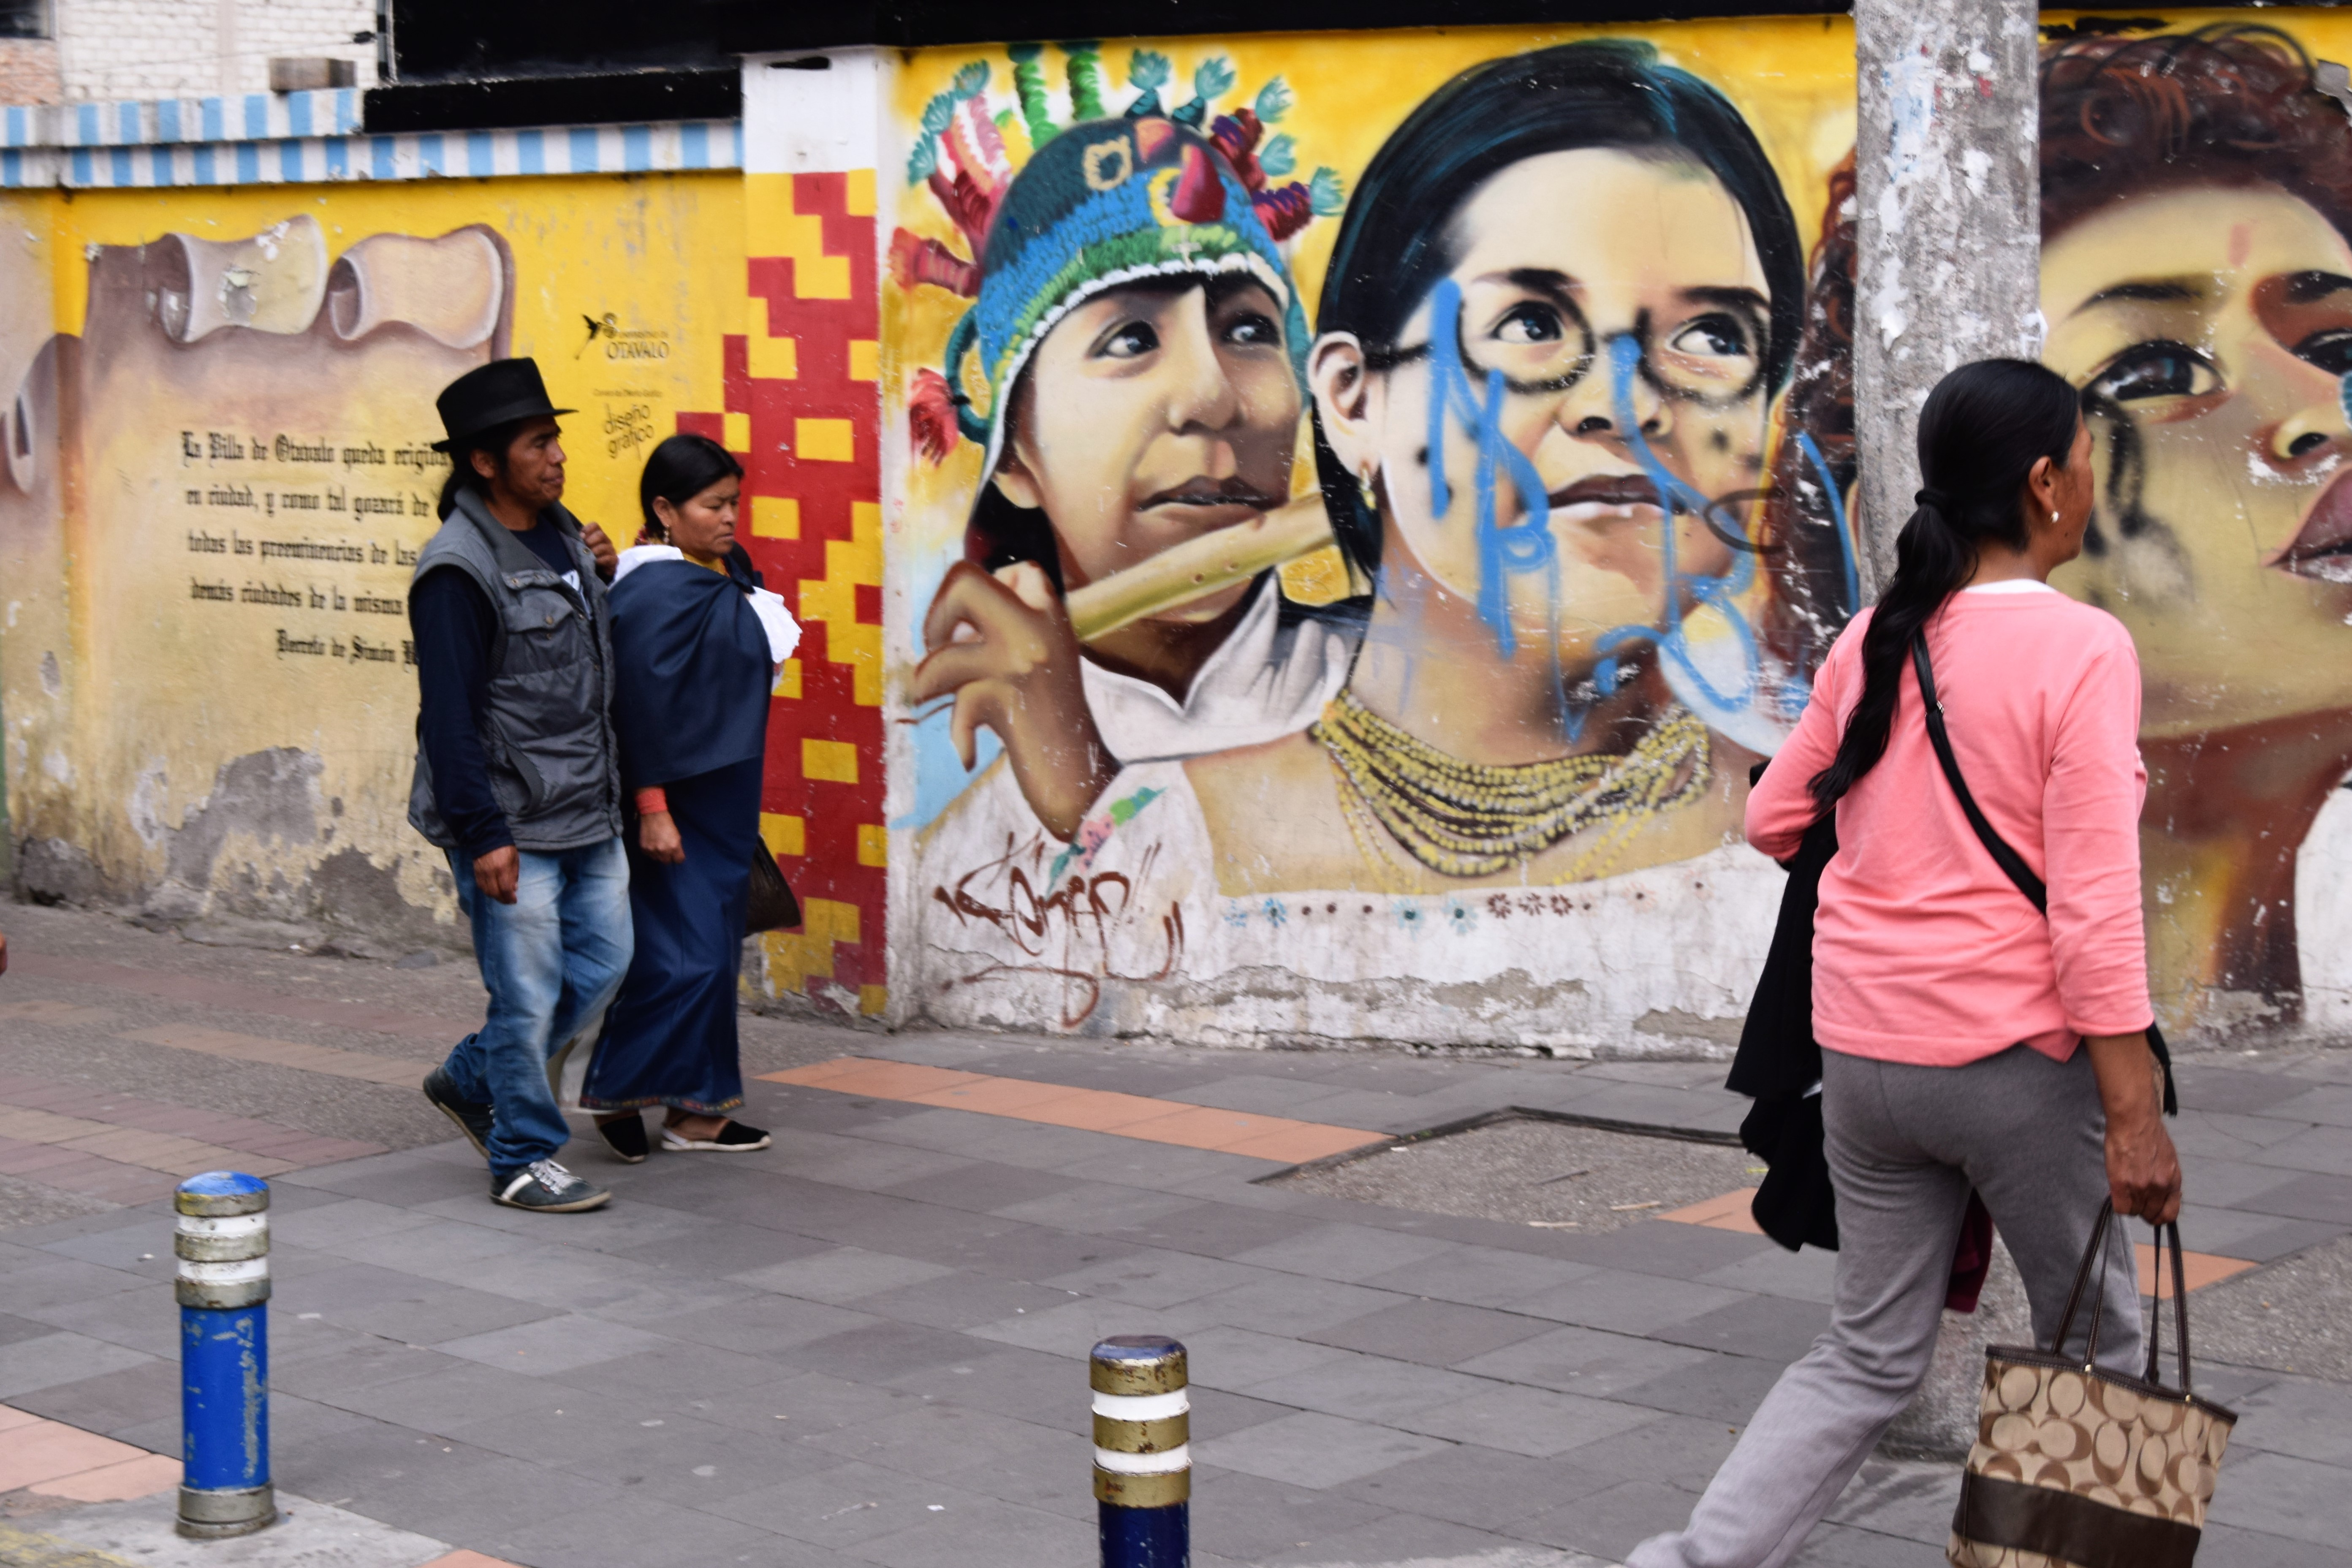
(1264,682)
(1126,933)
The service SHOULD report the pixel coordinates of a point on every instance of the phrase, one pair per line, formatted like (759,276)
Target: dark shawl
(694,676)
(1778,1062)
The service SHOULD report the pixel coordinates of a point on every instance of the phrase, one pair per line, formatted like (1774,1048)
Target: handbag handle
(2095,1253)
(2169,1231)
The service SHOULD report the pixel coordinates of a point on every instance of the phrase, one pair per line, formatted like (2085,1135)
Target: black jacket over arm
(1780,1064)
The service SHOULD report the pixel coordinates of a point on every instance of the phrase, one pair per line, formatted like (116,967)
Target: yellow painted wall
(212,699)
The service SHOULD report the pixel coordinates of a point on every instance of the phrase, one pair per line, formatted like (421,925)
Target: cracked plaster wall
(207,712)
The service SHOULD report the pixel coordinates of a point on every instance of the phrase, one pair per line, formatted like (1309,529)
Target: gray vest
(546,727)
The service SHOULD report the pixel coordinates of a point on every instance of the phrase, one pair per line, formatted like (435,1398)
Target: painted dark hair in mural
(2223,105)
(2226,105)
(679,469)
(1982,430)
(1805,536)
(1395,242)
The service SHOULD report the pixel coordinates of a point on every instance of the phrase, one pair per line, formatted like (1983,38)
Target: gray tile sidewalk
(867,1345)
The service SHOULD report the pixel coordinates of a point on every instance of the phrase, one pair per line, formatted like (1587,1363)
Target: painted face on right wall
(2211,328)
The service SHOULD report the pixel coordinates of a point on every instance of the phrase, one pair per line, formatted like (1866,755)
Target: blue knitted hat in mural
(1106,201)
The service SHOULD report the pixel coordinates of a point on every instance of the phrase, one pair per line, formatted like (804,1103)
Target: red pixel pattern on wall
(802,413)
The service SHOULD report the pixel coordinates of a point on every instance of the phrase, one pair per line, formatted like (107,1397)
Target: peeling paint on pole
(1950,239)
(1948,156)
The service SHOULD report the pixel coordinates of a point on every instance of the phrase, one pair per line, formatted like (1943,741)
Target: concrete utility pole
(1947,159)
(1946,156)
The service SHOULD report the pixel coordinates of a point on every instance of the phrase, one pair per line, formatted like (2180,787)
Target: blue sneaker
(549,1188)
(472,1119)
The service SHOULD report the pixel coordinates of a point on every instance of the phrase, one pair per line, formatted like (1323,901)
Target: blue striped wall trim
(309,160)
(246,117)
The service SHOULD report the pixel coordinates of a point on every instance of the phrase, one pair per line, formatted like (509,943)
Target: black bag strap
(2008,859)
(2011,863)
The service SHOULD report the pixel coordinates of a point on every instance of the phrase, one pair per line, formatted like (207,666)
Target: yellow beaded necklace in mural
(1474,819)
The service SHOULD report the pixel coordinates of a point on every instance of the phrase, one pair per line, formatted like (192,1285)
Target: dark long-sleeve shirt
(456,627)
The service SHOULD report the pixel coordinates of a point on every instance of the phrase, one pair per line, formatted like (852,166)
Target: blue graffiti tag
(1504,551)
(1674,495)
(1527,545)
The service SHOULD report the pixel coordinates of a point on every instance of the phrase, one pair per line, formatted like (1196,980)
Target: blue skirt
(669,1038)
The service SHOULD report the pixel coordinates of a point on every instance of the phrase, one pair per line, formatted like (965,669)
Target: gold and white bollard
(1143,1457)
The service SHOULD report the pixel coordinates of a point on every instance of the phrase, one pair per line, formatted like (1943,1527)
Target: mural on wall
(1375,539)
(2197,279)
(799,409)
(220,477)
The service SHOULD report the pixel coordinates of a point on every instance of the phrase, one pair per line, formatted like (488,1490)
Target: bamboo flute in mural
(1560,308)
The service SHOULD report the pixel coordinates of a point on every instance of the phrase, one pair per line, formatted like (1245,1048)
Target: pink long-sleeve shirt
(1924,951)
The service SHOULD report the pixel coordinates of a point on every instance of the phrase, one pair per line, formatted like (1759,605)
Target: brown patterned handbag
(2075,1467)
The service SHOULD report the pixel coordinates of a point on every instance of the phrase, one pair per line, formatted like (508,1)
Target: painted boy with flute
(1133,366)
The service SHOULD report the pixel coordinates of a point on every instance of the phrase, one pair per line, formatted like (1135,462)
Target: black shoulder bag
(2007,859)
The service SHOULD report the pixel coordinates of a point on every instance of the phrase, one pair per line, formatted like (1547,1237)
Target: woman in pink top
(1967,1042)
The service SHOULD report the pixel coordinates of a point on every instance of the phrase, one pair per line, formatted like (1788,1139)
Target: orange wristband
(651,800)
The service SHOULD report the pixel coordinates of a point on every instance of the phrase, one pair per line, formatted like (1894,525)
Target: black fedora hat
(499,393)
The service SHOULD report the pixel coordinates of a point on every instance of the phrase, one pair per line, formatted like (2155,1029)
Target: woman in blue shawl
(696,641)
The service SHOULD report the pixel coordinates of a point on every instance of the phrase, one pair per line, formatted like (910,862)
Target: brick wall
(29,71)
(113,49)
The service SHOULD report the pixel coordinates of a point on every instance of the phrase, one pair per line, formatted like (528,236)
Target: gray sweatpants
(1905,1144)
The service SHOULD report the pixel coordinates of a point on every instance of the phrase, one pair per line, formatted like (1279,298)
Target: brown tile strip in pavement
(1090,1109)
(128,1149)
(363,1064)
(282,1053)
(51,1010)
(1731,1212)
(124,1145)
(85,1174)
(238,998)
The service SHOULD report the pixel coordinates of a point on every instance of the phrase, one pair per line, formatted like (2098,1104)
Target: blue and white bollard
(1143,1458)
(223,1246)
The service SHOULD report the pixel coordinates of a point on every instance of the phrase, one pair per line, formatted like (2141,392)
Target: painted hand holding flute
(1008,646)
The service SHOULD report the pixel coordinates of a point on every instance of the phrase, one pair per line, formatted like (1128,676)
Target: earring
(1364,486)
(2053,514)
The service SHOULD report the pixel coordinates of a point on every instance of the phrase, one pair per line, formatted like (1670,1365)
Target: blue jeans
(552,961)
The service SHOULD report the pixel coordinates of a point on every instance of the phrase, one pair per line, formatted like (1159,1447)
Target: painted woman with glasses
(1556,314)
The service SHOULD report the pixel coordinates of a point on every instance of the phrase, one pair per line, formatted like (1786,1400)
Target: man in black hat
(518,775)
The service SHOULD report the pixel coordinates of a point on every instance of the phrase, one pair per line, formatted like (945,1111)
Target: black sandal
(625,1136)
(732,1138)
